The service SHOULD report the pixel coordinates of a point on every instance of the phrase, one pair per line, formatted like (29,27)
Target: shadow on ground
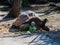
(47,11)
(42,38)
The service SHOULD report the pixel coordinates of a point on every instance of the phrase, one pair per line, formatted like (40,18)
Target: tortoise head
(45,20)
